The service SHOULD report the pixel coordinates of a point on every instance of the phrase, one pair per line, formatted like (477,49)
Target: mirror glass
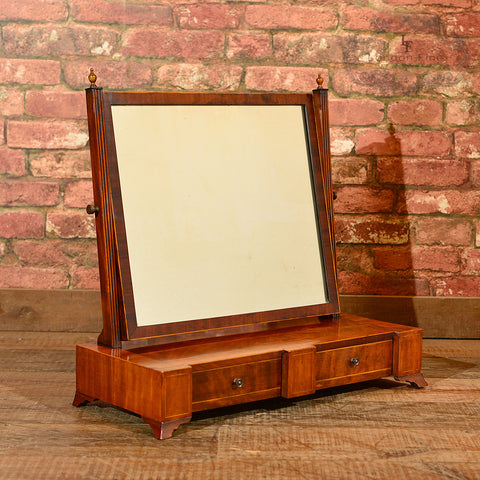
(218,209)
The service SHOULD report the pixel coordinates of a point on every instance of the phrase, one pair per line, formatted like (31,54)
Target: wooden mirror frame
(118,309)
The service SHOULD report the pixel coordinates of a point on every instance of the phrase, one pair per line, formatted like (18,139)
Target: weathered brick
(17,224)
(472,261)
(456,202)
(248,46)
(370,229)
(290,79)
(393,258)
(12,162)
(451,83)
(78,194)
(461,286)
(291,16)
(118,11)
(416,112)
(355,258)
(421,171)
(49,134)
(29,72)
(37,278)
(477,233)
(56,104)
(33,10)
(363,18)
(29,193)
(11,102)
(341,141)
(403,142)
(2,131)
(214,15)
(384,83)
(70,225)
(465,24)
(442,231)
(142,42)
(350,170)
(53,40)
(350,112)
(313,48)
(194,76)
(117,75)
(463,112)
(475,173)
(467,144)
(360,199)
(56,252)
(87,278)
(61,164)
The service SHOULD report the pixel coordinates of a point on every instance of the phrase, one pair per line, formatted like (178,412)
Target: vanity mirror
(216,250)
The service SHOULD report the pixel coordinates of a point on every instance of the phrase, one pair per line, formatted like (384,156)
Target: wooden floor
(376,430)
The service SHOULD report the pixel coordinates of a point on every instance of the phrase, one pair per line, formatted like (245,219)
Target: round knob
(92,209)
(237,382)
(355,361)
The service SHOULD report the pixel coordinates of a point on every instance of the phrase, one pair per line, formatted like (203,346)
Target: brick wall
(405,136)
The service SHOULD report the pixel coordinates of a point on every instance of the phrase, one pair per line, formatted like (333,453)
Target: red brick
(457,286)
(61,164)
(53,40)
(383,83)
(214,15)
(363,18)
(29,72)
(2,249)
(45,103)
(12,162)
(341,141)
(142,42)
(117,75)
(428,51)
(442,231)
(22,225)
(403,142)
(33,10)
(350,112)
(290,79)
(70,225)
(463,112)
(37,278)
(456,202)
(463,24)
(87,278)
(350,170)
(451,83)
(118,11)
(416,112)
(467,144)
(78,194)
(473,261)
(29,193)
(370,229)
(393,258)
(313,48)
(11,102)
(477,233)
(2,131)
(421,171)
(49,134)
(196,76)
(56,252)
(248,45)
(355,258)
(286,16)
(360,199)
(475,173)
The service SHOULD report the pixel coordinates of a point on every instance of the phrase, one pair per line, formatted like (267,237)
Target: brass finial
(92,78)
(319,81)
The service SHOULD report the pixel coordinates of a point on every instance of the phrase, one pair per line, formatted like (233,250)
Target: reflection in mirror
(218,208)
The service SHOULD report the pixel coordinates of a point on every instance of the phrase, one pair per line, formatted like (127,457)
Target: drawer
(243,382)
(354,364)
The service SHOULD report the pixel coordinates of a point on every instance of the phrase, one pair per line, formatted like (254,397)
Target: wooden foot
(162,430)
(416,380)
(81,399)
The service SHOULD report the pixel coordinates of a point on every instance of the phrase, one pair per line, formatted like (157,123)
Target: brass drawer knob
(237,382)
(92,209)
(355,361)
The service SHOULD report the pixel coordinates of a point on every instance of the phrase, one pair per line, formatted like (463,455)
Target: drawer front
(354,364)
(240,380)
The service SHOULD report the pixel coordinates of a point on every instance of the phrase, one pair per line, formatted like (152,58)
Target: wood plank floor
(375,430)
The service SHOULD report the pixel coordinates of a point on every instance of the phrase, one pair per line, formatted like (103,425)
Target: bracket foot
(82,399)
(163,430)
(417,380)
